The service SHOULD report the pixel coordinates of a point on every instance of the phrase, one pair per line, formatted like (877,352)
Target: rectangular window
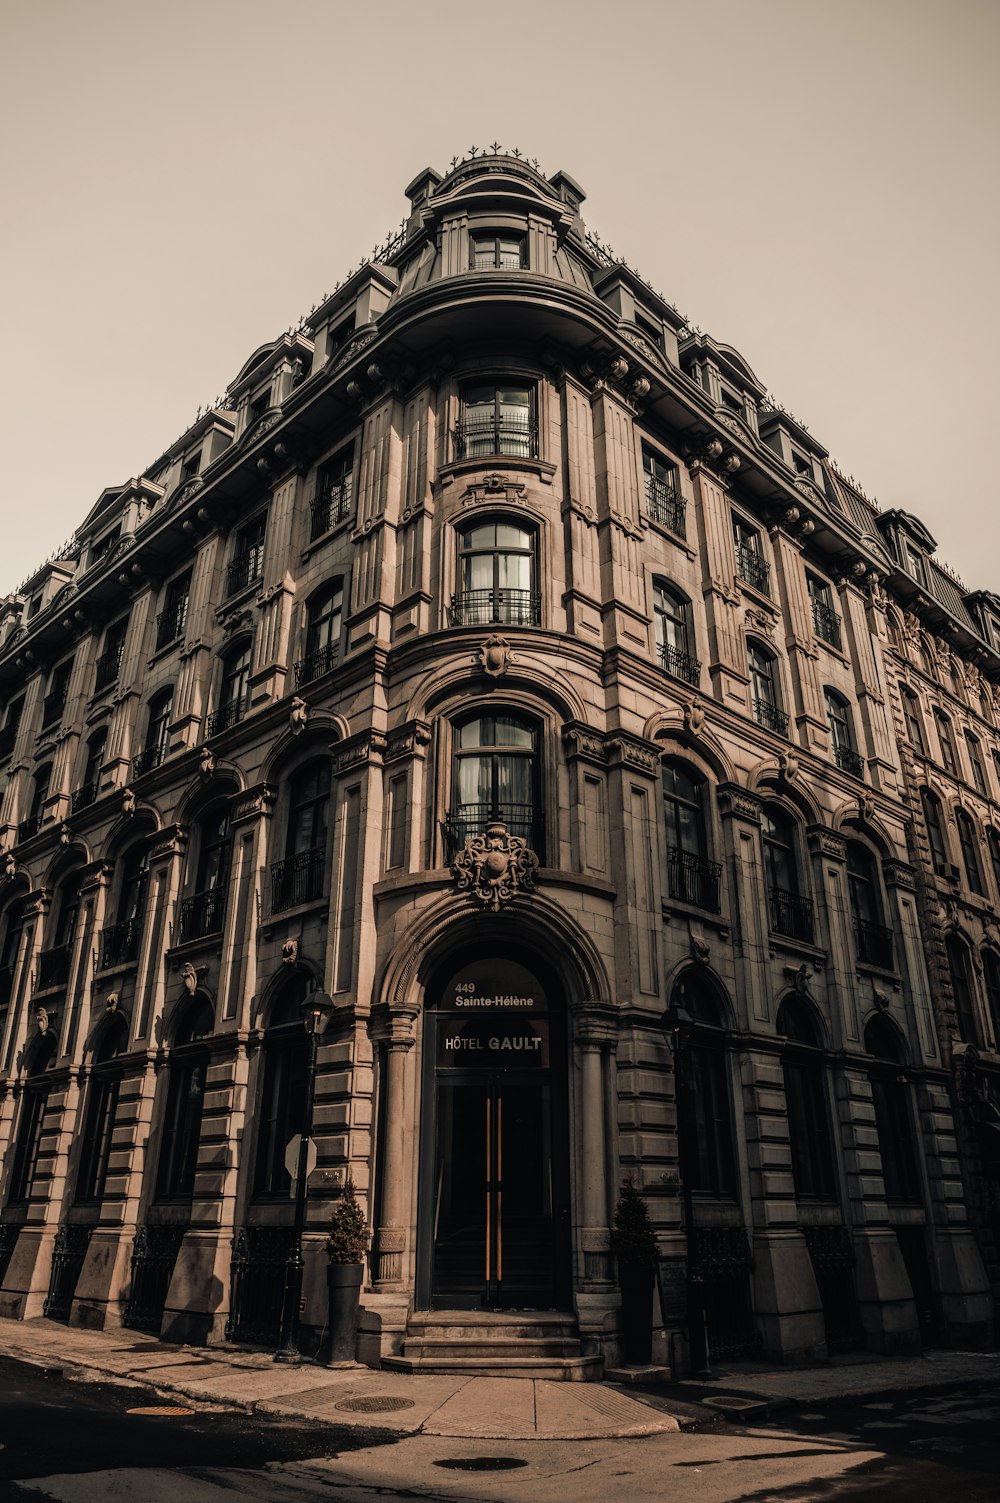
(497,420)
(191,466)
(104,545)
(826,621)
(55,701)
(732,402)
(653,332)
(949,757)
(976,763)
(398,809)
(334,495)
(108,664)
(664,502)
(913,561)
(259,403)
(246,567)
(499,252)
(751,565)
(170,621)
(801,464)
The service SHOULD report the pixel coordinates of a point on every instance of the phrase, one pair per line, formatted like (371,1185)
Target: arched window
(809,1132)
(765,698)
(993,846)
(963,988)
(991,975)
(88,790)
(912,720)
(232,690)
(29,1132)
(672,615)
(281,1108)
(970,855)
(790,913)
(691,876)
(935,829)
(300,876)
(976,763)
(202,913)
(32,822)
(946,740)
(53,963)
(157,733)
(102,1104)
(496,575)
(120,940)
(840,720)
(496,776)
(893,1117)
(705,1114)
(188,1069)
(324,619)
(872,938)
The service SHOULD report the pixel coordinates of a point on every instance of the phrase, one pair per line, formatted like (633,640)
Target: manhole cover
(482,1463)
(377,1404)
(162,1411)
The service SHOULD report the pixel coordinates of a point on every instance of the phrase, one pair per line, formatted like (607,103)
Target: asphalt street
(83,1442)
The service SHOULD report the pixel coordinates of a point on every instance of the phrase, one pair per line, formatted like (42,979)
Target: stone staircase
(495,1344)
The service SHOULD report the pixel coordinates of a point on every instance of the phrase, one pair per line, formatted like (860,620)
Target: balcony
(245,570)
(203,913)
(170,623)
(483,438)
(692,879)
(146,760)
(106,669)
(315,663)
(752,569)
(225,717)
(330,506)
(120,942)
(826,623)
(297,879)
(496,607)
(680,664)
(7,738)
(848,760)
(471,819)
(770,716)
(28,827)
(85,796)
(665,506)
(52,708)
(790,914)
(873,943)
(53,966)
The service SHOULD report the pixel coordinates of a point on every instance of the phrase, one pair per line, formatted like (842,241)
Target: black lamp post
(317,1010)
(674,1024)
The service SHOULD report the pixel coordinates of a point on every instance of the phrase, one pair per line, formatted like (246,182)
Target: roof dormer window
(191,466)
(913,561)
(103,546)
(649,330)
(259,403)
(802,465)
(499,252)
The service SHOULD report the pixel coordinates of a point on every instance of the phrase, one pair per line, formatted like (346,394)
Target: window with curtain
(970,853)
(691,876)
(497,419)
(496,775)
(672,618)
(102,1106)
(872,937)
(809,1132)
(841,723)
(963,988)
(913,722)
(324,619)
(935,829)
(499,250)
(664,502)
(790,913)
(187,1072)
(496,575)
(894,1124)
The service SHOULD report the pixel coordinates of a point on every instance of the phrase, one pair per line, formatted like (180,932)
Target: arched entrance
(493,1218)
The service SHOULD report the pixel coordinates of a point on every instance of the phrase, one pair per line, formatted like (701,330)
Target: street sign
(292,1158)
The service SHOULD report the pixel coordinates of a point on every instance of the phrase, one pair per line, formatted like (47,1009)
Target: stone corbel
(251,804)
(740,802)
(826,843)
(408,740)
(583,742)
(634,753)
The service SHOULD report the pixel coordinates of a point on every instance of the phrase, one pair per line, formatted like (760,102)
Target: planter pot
(343,1282)
(636,1283)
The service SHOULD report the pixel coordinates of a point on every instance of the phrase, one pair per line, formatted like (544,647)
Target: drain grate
(162,1411)
(377,1404)
(482,1463)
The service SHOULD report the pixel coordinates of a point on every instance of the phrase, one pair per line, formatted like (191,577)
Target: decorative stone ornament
(299,715)
(494,867)
(42,1019)
(111,1001)
(206,763)
(65,835)
(128,803)
(694,717)
(290,952)
(191,975)
(9,864)
(788,765)
(494,656)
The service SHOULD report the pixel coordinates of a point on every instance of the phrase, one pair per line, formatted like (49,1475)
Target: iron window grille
(170,623)
(848,760)
(28,827)
(246,569)
(53,706)
(665,506)
(468,820)
(790,914)
(874,943)
(488,607)
(297,879)
(752,569)
(225,717)
(146,760)
(85,795)
(203,913)
(497,420)
(316,663)
(106,669)
(694,879)
(770,716)
(120,942)
(331,505)
(826,622)
(499,252)
(680,664)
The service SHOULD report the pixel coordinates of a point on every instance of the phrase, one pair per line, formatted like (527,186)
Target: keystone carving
(494,656)
(299,715)
(128,803)
(191,975)
(494,867)
(290,952)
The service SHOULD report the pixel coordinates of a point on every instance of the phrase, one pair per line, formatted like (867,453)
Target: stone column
(383,1324)
(595,1028)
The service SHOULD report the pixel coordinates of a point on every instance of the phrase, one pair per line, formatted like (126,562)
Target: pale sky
(812,181)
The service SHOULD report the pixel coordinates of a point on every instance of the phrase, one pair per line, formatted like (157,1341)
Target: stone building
(498,660)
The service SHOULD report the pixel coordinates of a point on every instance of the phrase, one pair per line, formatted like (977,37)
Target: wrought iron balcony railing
(666,506)
(120,942)
(790,914)
(202,913)
(147,759)
(84,796)
(874,943)
(52,708)
(695,880)
(331,506)
(680,664)
(466,820)
(8,735)
(245,569)
(106,669)
(297,879)
(53,966)
(225,717)
(28,827)
(847,760)
(752,569)
(770,716)
(826,622)
(170,623)
(489,607)
(316,663)
(516,438)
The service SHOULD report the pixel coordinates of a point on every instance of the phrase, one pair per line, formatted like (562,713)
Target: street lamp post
(675,1023)
(317,1010)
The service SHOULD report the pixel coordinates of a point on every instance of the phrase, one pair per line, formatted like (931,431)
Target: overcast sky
(812,181)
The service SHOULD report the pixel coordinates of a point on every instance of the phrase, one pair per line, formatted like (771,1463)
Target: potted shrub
(634,1243)
(346,1246)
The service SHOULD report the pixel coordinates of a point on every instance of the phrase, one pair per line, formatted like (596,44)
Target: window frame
(968,844)
(470,437)
(913,720)
(946,742)
(479,238)
(506,605)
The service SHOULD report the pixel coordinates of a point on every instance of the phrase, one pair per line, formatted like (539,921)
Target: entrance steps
(495,1344)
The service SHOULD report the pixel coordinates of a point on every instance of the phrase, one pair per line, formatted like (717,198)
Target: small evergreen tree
(633,1238)
(349,1235)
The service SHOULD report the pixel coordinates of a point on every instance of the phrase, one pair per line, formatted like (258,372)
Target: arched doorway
(493,1219)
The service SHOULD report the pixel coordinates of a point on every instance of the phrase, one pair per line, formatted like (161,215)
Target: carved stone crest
(495,867)
(694,717)
(493,488)
(494,656)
